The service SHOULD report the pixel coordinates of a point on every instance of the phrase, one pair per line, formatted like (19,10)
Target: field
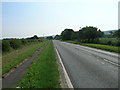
(11,59)
(43,73)
(99,46)
(109,41)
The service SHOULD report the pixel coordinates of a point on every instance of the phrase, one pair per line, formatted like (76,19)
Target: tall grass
(11,59)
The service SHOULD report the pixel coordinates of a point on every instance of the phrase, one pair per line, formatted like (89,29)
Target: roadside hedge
(15,43)
(8,44)
(5,45)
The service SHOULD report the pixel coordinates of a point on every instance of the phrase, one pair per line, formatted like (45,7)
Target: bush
(5,45)
(24,41)
(8,44)
(15,43)
(118,43)
(109,43)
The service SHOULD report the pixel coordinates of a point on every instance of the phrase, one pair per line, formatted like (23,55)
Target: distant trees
(49,37)
(67,34)
(57,37)
(85,34)
(89,34)
(117,33)
(34,37)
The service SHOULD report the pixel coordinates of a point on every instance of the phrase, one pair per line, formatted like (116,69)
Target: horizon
(25,19)
(38,36)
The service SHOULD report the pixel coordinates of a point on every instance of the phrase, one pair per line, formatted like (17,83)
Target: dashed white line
(116,64)
(102,62)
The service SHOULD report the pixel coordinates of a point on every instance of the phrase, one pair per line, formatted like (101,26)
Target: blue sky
(25,19)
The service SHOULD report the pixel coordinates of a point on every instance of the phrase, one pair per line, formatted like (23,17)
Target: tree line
(88,34)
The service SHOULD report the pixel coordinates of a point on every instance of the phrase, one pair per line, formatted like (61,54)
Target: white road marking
(102,62)
(111,62)
(65,72)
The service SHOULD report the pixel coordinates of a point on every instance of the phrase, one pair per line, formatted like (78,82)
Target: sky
(25,19)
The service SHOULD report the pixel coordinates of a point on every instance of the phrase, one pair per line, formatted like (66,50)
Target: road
(88,67)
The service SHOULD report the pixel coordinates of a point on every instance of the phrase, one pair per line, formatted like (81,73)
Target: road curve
(87,67)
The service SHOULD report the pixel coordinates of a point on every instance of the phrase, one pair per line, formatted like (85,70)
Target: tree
(49,37)
(75,35)
(117,33)
(5,46)
(57,37)
(67,34)
(89,34)
(34,37)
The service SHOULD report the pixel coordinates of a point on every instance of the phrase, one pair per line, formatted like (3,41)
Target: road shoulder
(64,78)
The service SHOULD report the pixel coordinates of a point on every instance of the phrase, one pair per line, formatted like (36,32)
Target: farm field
(11,59)
(43,73)
(109,41)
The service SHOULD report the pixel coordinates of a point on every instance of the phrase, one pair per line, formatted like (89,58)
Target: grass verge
(10,60)
(99,46)
(43,73)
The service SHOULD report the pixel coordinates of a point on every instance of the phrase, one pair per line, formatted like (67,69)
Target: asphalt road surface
(88,67)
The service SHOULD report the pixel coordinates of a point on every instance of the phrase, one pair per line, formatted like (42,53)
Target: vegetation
(57,37)
(34,37)
(109,41)
(90,34)
(86,34)
(67,34)
(5,45)
(117,34)
(13,44)
(49,37)
(43,73)
(11,59)
(99,46)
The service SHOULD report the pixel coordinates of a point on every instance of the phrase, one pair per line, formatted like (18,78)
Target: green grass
(11,59)
(113,41)
(99,46)
(75,42)
(103,47)
(43,73)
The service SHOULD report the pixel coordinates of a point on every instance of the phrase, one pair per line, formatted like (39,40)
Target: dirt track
(11,80)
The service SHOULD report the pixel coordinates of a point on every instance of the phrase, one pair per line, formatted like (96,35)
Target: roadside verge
(17,74)
(43,73)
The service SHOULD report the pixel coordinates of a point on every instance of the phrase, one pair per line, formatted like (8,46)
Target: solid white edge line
(65,72)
